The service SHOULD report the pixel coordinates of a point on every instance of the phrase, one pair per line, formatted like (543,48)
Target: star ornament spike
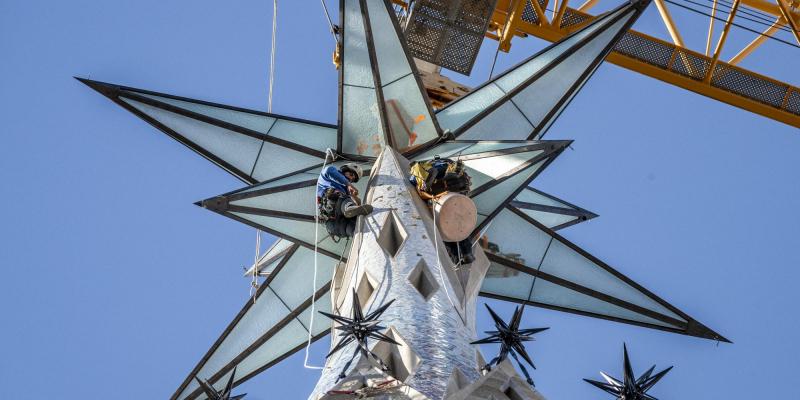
(360,329)
(511,339)
(630,388)
(214,394)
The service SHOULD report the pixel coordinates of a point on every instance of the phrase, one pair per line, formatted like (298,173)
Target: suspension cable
(330,22)
(732,24)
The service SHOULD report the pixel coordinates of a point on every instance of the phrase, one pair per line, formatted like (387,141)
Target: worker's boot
(465,248)
(351,210)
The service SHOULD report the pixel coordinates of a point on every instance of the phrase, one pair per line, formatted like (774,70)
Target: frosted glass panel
(321,322)
(511,237)
(299,177)
(541,97)
(552,294)
(462,110)
(445,150)
(524,243)
(409,118)
(566,263)
(533,197)
(507,282)
(299,230)
(261,316)
(504,123)
(293,335)
(519,74)
(486,169)
(548,219)
(293,283)
(275,161)
(313,136)
(467,107)
(361,125)
(232,147)
(298,201)
(252,121)
(355,58)
(392,61)
(491,199)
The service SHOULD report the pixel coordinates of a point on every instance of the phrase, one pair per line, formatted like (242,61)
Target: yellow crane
(667,60)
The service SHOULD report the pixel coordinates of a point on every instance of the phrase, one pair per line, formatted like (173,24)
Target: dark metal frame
(691,327)
(116,92)
(579,213)
(567,96)
(378,86)
(450,26)
(557,147)
(290,316)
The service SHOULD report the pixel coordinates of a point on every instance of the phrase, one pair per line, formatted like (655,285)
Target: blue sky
(115,284)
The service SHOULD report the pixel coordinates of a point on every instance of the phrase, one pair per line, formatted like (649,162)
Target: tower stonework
(397,254)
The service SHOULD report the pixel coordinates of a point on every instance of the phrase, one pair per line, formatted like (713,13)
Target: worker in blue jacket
(337,199)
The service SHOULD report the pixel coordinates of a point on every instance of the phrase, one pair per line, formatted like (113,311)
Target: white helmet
(354,168)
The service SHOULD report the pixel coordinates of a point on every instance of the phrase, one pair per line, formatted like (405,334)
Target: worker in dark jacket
(436,178)
(337,199)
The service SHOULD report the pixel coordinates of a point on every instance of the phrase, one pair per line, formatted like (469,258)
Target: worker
(337,199)
(436,178)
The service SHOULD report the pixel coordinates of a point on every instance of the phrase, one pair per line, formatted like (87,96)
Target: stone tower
(398,254)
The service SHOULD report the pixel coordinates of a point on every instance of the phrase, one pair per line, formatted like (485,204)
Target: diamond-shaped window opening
(364,290)
(392,234)
(512,392)
(422,279)
(402,360)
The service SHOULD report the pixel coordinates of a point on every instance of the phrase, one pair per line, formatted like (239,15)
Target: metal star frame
(360,329)
(214,394)
(496,130)
(510,338)
(630,388)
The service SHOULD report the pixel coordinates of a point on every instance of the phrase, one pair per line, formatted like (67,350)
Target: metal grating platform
(448,33)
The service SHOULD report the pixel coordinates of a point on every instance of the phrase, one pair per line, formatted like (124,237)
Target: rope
(272,53)
(254,282)
(439,261)
(491,71)
(330,22)
(328,152)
